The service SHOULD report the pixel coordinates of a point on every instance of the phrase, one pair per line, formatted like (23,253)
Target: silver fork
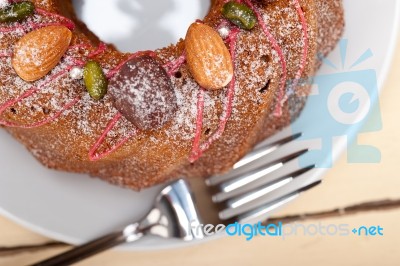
(264,180)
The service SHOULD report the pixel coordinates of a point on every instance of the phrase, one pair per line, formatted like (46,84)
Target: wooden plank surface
(346,184)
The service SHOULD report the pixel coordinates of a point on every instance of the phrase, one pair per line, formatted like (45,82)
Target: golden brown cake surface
(65,128)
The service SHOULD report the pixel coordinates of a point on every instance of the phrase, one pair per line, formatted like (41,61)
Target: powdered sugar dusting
(143,93)
(95,128)
(4,3)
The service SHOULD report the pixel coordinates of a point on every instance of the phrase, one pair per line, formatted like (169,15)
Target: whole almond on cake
(207,57)
(39,51)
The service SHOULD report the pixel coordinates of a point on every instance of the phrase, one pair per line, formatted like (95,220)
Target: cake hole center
(136,25)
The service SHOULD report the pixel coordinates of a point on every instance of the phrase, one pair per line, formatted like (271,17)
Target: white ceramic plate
(74,208)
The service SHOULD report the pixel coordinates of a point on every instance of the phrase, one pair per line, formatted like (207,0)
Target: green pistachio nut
(240,15)
(17,11)
(95,81)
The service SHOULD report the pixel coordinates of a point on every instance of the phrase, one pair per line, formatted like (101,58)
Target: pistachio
(95,80)
(17,11)
(239,14)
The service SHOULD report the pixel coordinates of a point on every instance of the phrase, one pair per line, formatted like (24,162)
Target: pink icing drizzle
(305,47)
(114,71)
(11,102)
(45,121)
(278,49)
(102,47)
(5,54)
(93,155)
(197,149)
(68,23)
(32,91)
(64,22)
(174,65)
(12,29)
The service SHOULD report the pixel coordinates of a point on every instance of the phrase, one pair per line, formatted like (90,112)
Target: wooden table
(345,185)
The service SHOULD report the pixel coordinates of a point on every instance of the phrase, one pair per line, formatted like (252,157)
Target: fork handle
(92,248)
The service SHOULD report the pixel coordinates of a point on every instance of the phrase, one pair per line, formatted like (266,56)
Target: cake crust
(151,157)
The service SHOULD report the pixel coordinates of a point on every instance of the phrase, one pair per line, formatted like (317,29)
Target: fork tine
(263,150)
(239,183)
(263,212)
(264,190)
(280,188)
(258,153)
(286,132)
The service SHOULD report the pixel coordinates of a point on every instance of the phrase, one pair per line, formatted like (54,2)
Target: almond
(39,51)
(208,59)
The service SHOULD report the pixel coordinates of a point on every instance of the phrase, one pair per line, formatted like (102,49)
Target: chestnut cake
(192,109)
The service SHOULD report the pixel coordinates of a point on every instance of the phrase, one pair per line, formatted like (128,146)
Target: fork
(263,181)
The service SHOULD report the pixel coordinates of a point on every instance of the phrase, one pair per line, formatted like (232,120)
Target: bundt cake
(192,109)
